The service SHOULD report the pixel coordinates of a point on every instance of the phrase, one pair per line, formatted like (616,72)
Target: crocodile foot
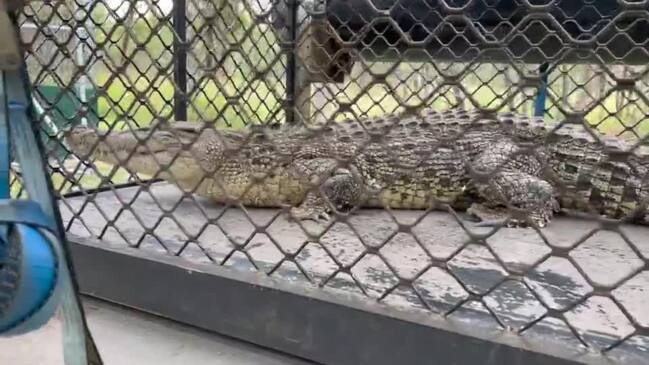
(490,217)
(498,216)
(338,192)
(312,208)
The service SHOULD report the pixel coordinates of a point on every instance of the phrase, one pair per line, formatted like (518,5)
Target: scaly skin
(455,158)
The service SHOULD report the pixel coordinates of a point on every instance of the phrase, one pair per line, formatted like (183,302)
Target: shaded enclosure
(392,285)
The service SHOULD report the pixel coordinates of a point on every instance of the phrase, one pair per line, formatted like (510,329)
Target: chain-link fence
(381,116)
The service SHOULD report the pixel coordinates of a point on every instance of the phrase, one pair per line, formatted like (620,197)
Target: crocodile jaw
(157,154)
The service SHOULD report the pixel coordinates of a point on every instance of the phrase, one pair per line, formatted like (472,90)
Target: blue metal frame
(35,270)
(28,258)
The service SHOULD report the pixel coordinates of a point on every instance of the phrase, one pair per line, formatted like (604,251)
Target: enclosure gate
(376,286)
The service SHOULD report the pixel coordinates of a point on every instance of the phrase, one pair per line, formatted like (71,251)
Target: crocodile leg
(531,198)
(506,176)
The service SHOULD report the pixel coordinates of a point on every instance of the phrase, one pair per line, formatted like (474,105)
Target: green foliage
(246,85)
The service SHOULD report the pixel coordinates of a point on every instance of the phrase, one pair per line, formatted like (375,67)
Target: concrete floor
(199,228)
(126,337)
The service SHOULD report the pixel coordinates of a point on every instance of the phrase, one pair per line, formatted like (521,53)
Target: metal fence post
(298,80)
(291,62)
(180,59)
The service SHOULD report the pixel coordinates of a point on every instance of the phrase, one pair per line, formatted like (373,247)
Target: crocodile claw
(497,217)
(317,215)
(512,223)
(496,223)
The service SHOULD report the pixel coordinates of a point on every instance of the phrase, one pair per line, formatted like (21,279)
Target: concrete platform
(127,337)
(417,245)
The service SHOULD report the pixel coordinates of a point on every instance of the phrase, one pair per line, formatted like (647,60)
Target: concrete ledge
(313,324)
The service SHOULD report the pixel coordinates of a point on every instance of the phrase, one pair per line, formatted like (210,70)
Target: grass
(207,102)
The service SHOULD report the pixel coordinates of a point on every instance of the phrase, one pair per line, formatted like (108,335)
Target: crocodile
(501,168)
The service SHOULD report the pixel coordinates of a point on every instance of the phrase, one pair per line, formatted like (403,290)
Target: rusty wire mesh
(234,63)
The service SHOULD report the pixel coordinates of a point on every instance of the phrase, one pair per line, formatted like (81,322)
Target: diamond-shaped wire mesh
(345,90)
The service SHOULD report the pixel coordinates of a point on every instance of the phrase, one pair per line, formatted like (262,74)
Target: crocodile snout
(81,139)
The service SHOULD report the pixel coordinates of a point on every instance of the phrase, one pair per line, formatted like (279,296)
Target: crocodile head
(166,154)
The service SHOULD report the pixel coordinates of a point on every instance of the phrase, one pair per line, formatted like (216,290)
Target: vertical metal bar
(291,62)
(84,59)
(4,146)
(539,105)
(180,59)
